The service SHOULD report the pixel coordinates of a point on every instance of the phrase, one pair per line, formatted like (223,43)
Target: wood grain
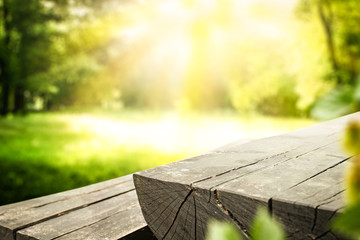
(297,176)
(108,209)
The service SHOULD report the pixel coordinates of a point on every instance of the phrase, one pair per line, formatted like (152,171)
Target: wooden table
(297,176)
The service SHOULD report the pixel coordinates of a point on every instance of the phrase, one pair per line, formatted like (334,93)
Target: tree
(26,40)
(339,20)
(4,58)
(50,49)
(326,15)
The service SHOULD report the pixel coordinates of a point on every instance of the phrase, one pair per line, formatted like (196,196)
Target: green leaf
(266,228)
(222,231)
(337,103)
(348,222)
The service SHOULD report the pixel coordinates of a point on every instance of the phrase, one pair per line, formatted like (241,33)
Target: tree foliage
(26,40)
(150,55)
(339,20)
(48,49)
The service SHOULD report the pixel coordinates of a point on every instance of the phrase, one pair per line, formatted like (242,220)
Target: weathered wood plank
(78,219)
(67,194)
(80,209)
(273,180)
(128,224)
(308,207)
(231,182)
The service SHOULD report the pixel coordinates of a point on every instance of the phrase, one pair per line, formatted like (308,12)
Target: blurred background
(95,89)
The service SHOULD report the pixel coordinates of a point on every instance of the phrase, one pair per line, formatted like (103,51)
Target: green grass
(42,154)
(45,153)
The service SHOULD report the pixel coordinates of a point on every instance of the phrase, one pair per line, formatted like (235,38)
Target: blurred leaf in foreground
(352,181)
(265,227)
(348,222)
(351,139)
(351,142)
(222,231)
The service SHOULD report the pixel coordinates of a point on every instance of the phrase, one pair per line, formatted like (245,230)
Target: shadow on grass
(25,180)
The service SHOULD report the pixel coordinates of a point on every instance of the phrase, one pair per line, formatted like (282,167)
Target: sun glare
(181,54)
(173,133)
(183,46)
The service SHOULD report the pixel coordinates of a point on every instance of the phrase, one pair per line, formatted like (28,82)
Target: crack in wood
(322,235)
(177,213)
(229,213)
(160,215)
(318,192)
(259,169)
(209,199)
(184,232)
(177,225)
(254,163)
(270,206)
(317,174)
(336,194)
(102,219)
(237,177)
(316,214)
(241,167)
(315,218)
(78,195)
(307,152)
(225,172)
(63,213)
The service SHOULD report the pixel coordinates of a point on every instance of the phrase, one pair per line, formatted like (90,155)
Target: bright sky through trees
(183,52)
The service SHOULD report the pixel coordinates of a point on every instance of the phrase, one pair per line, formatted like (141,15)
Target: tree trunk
(19,105)
(326,17)
(5,93)
(4,63)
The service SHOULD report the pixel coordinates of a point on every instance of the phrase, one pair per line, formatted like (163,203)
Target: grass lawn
(45,153)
